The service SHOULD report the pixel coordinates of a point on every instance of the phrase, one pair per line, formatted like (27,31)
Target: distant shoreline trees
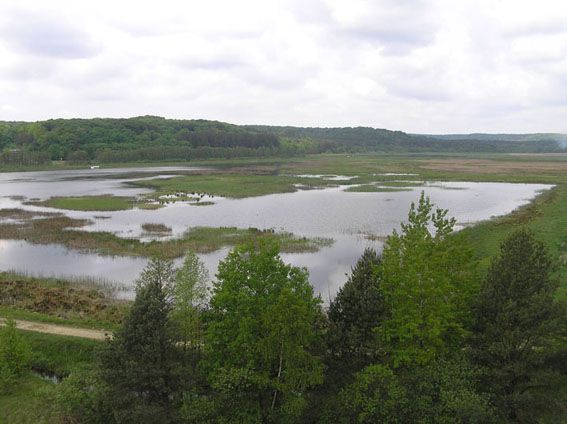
(151,138)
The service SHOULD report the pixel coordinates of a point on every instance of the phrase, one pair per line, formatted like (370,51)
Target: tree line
(151,138)
(416,335)
(73,139)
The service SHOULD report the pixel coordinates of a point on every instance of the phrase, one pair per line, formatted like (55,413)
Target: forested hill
(140,138)
(151,138)
(536,137)
(374,139)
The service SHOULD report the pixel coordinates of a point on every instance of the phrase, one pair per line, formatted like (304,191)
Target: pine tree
(515,318)
(139,364)
(355,312)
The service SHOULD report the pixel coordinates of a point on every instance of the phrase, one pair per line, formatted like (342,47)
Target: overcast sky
(431,66)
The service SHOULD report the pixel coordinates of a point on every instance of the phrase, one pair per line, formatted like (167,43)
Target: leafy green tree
(426,281)
(515,323)
(446,390)
(355,312)
(443,391)
(139,365)
(15,354)
(190,293)
(261,328)
(376,396)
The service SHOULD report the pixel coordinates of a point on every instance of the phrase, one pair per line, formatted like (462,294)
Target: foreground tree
(350,342)
(426,278)
(443,391)
(355,312)
(257,346)
(138,366)
(515,324)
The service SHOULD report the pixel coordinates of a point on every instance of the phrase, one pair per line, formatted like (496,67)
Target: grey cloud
(395,26)
(419,90)
(547,27)
(214,63)
(27,70)
(45,34)
(424,83)
(315,12)
(395,40)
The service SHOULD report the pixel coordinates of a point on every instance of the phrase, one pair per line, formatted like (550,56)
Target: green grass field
(546,217)
(31,400)
(88,203)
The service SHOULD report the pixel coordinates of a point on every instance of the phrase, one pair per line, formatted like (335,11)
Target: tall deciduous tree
(139,364)
(515,320)
(426,280)
(190,294)
(262,326)
(355,312)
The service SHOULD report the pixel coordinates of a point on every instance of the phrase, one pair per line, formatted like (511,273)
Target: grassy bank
(546,216)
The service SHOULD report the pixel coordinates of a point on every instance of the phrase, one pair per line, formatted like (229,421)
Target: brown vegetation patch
(62,301)
(24,214)
(481,166)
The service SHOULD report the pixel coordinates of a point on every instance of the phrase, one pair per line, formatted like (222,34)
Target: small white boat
(95,167)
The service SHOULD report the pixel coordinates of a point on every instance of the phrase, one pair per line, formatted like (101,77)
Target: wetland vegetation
(59,229)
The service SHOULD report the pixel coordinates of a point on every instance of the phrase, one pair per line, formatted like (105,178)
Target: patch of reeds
(63,230)
(150,227)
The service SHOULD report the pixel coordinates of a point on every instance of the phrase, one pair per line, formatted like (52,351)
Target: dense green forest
(150,138)
(418,334)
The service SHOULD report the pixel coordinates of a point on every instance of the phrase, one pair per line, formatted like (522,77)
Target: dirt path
(60,330)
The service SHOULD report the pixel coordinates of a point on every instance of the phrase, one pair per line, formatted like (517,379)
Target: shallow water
(331,212)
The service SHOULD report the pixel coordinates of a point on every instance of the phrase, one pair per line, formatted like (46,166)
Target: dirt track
(60,330)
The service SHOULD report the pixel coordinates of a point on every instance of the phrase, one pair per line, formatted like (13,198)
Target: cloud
(395,26)
(416,65)
(46,34)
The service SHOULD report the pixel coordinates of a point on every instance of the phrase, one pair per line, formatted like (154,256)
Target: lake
(347,217)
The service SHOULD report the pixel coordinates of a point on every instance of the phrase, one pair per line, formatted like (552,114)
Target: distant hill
(556,137)
(152,138)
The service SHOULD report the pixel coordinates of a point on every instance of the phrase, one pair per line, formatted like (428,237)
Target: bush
(15,355)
